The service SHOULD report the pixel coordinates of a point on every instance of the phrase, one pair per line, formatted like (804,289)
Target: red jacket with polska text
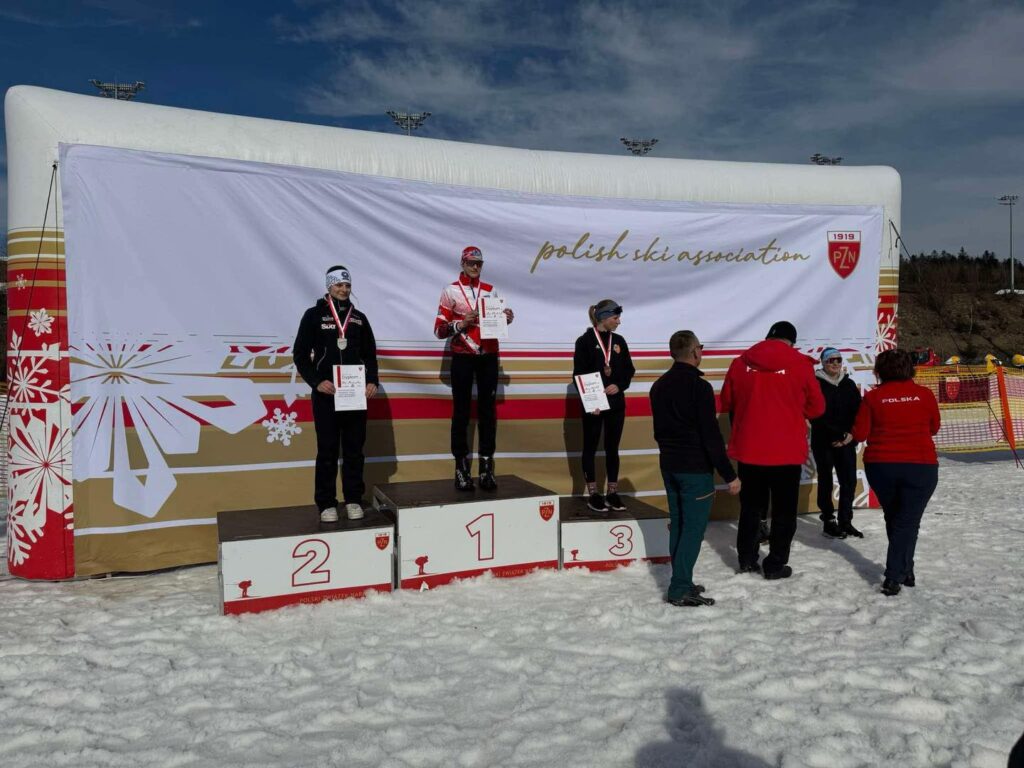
(898,420)
(771,392)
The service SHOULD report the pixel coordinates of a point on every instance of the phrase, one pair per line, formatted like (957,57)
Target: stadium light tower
(819,159)
(638,147)
(1010,201)
(408,121)
(120,91)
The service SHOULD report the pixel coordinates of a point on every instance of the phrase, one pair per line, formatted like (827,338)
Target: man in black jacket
(691,447)
(833,446)
(333,332)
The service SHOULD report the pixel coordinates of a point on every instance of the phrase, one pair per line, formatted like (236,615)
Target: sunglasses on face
(475,263)
(834,360)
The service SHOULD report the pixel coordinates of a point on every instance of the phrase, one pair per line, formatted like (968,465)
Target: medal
(474,305)
(606,352)
(342,327)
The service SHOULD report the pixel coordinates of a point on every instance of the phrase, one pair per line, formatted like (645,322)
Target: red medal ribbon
(605,351)
(473,305)
(337,318)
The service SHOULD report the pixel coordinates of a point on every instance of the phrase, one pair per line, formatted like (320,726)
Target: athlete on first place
(473,358)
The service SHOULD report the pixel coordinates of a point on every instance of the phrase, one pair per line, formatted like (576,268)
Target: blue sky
(935,89)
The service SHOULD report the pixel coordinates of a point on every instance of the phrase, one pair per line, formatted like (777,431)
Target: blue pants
(903,491)
(689,507)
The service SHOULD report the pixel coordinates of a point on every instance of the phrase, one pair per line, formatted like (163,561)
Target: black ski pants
(779,487)
(337,431)
(844,461)
(484,370)
(612,422)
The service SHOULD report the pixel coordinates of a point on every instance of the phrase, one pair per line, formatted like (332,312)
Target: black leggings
(613,422)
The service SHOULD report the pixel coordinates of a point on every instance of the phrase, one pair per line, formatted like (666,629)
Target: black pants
(903,491)
(612,421)
(337,429)
(763,485)
(844,460)
(466,368)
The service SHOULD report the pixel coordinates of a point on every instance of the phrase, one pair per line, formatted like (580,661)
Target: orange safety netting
(982,407)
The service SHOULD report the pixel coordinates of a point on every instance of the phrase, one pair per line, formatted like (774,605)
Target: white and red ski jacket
(456,301)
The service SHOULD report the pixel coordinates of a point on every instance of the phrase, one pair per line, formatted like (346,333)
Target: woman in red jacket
(897,419)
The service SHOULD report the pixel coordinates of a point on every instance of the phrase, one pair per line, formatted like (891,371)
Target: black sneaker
(749,568)
(890,588)
(849,530)
(596,503)
(783,573)
(692,599)
(463,477)
(487,481)
(614,502)
(764,532)
(909,580)
(832,530)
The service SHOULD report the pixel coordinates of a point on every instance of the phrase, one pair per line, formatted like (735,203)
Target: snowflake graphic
(40,322)
(22,282)
(156,388)
(40,478)
(281,427)
(886,336)
(29,375)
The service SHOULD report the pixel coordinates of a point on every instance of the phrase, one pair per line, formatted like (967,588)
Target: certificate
(349,388)
(493,324)
(592,392)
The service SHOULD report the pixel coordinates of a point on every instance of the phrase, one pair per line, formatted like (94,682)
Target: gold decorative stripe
(19,233)
(24,247)
(45,262)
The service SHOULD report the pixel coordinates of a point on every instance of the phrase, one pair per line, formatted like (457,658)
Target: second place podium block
(445,534)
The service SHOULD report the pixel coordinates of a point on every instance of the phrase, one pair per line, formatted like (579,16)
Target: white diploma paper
(350,388)
(592,392)
(493,324)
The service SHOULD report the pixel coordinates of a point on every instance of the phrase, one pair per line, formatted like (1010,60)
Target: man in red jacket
(770,392)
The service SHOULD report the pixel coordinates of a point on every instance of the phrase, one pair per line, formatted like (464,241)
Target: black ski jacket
(316,344)
(841,404)
(588,358)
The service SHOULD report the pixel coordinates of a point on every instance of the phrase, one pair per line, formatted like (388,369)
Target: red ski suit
(457,299)
(770,390)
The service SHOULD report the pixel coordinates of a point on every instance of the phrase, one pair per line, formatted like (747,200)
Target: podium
(269,558)
(445,534)
(602,541)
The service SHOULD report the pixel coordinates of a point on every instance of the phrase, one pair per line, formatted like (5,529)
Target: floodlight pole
(119,91)
(1009,201)
(638,147)
(408,121)
(819,159)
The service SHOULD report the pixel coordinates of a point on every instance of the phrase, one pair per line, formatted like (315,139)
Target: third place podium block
(445,534)
(270,558)
(602,541)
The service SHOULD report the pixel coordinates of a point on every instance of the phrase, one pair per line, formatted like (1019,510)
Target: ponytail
(592,313)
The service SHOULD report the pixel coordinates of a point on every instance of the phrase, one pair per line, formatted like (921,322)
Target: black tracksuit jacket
(841,404)
(588,358)
(686,423)
(316,344)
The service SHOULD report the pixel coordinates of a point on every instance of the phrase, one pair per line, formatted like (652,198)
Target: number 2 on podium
(484,535)
(311,571)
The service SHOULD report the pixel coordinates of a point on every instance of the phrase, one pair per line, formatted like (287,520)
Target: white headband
(338,276)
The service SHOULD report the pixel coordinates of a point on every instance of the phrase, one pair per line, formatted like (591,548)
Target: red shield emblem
(382,541)
(952,387)
(844,252)
(547,510)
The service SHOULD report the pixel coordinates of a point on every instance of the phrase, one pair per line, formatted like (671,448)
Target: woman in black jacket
(602,350)
(833,446)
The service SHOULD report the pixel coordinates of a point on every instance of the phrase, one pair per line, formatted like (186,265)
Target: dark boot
(764,532)
(692,599)
(890,588)
(463,476)
(849,530)
(487,481)
(909,580)
(832,530)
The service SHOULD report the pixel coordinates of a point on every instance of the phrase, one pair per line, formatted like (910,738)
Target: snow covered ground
(555,669)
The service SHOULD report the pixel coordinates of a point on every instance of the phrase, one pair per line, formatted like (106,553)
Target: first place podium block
(445,534)
(269,558)
(602,541)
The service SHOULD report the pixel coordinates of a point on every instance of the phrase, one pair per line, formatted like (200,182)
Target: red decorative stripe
(258,604)
(501,571)
(611,565)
